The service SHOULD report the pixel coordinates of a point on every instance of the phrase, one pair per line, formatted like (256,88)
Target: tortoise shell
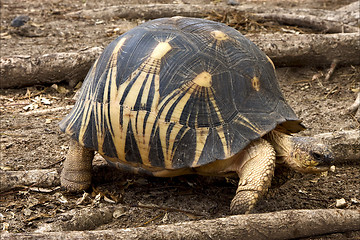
(178,93)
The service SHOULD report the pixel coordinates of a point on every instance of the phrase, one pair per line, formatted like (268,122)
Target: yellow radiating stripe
(79,107)
(134,92)
(111,80)
(227,150)
(246,122)
(160,50)
(85,120)
(176,114)
(143,75)
(120,131)
(201,136)
(168,147)
(143,140)
(146,92)
(113,117)
(87,110)
(212,100)
(100,127)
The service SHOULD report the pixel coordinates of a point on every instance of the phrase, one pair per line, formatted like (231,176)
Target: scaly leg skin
(76,174)
(255,176)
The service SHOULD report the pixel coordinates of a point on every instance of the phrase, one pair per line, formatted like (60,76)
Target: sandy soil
(33,141)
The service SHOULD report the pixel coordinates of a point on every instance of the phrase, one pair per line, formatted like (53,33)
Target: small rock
(232,2)
(165,218)
(19,21)
(332,168)
(5,226)
(355,201)
(60,198)
(340,203)
(82,200)
(106,199)
(45,101)
(121,211)
(27,212)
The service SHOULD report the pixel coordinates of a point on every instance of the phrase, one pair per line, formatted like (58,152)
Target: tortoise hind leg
(255,176)
(76,174)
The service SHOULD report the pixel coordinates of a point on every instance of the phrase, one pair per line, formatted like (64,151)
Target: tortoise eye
(316,156)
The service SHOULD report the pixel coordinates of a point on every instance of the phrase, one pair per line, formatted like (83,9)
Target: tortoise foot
(76,174)
(254,176)
(243,202)
(75,181)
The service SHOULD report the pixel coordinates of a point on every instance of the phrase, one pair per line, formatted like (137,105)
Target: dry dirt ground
(33,141)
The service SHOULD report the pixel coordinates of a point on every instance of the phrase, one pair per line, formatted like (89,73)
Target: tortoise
(182,95)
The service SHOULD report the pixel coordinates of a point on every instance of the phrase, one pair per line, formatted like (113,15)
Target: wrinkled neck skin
(281,143)
(287,151)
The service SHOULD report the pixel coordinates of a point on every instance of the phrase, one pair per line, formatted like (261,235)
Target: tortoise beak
(325,160)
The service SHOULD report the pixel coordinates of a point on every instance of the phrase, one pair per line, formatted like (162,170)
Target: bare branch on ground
(309,49)
(20,71)
(283,49)
(276,225)
(345,15)
(38,178)
(309,21)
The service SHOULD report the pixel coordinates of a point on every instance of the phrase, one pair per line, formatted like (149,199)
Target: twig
(169,209)
(46,111)
(355,106)
(153,219)
(331,91)
(32,95)
(331,70)
(53,164)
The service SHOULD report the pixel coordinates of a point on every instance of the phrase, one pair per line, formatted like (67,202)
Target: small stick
(46,111)
(53,164)
(153,219)
(331,91)
(331,70)
(32,95)
(169,209)
(355,106)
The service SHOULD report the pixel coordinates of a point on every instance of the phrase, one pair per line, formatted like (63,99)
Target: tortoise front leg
(255,176)
(76,174)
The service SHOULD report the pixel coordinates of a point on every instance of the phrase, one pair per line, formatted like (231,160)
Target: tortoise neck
(281,143)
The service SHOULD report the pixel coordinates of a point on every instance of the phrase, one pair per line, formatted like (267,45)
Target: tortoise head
(308,155)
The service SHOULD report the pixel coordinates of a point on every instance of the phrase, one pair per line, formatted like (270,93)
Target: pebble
(19,21)
(232,2)
(340,203)
(121,211)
